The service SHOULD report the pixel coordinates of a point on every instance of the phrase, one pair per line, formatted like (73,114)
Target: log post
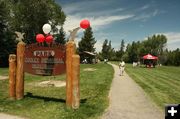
(12,76)
(70,51)
(75,81)
(20,71)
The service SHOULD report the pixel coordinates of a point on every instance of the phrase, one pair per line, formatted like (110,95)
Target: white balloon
(46,28)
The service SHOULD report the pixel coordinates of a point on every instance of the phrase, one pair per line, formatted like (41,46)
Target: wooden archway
(16,73)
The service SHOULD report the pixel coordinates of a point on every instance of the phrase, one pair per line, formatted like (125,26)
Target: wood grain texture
(70,51)
(20,71)
(75,81)
(12,76)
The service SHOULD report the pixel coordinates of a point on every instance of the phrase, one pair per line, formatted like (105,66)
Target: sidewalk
(7,116)
(129,101)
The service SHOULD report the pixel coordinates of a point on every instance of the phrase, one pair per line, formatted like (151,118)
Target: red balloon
(84,24)
(40,38)
(49,38)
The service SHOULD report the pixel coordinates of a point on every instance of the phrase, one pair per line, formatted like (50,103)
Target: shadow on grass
(47,99)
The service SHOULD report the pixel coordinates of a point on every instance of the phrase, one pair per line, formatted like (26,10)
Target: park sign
(45,60)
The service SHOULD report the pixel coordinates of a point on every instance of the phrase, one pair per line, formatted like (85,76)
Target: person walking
(121,67)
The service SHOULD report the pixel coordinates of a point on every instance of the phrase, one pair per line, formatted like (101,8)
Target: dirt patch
(51,83)
(3,77)
(89,69)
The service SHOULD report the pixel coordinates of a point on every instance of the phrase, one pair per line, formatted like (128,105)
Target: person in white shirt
(122,67)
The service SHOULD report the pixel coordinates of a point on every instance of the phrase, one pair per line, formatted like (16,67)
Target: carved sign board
(46,61)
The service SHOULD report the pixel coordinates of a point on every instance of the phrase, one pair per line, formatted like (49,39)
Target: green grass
(49,103)
(4,71)
(162,84)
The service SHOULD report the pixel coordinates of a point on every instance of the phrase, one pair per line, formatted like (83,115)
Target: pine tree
(120,52)
(110,50)
(60,37)
(87,44)
(122,46)
(105,49)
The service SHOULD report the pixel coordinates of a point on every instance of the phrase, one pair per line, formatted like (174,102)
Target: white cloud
(173,36)
(145,16)
(73,21)
(100,37)
(84,6)
(142,17)
(145,7)
(105,12)
(98,45)
(146,12)
(155,12)
(173,41)
(109,19)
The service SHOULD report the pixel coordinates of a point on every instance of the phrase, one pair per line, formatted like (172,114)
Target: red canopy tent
(150,57)
(150,60)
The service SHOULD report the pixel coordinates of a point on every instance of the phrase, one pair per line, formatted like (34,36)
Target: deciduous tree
(7,43)
(29,16)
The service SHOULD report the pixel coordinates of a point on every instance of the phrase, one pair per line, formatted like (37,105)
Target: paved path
(7,116)
(129,101)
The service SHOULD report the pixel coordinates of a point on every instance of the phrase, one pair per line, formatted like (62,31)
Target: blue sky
(131,20)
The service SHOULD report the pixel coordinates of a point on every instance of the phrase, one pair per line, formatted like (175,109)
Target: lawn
(162,84)
(49,103)
(4,71)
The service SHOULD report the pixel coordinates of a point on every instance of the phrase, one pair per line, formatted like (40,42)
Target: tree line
(28,16)
(133,52)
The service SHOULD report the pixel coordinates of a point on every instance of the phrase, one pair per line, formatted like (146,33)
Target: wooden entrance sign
(45,61)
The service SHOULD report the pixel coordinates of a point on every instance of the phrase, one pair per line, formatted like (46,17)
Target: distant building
(88,57)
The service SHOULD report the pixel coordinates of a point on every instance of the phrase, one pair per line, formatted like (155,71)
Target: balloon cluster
(40,38)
